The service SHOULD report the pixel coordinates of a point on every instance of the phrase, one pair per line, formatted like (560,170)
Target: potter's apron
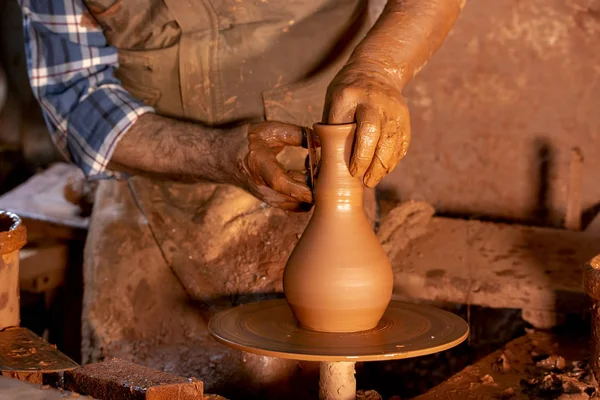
(216,62)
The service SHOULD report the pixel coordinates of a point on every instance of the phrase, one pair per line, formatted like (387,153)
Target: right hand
(265,177)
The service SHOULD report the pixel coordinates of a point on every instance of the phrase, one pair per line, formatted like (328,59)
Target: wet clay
(338,278)
(12,237)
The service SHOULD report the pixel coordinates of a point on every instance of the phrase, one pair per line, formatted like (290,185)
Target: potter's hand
(264,176)
(244,156)
(368,89)
(368,95)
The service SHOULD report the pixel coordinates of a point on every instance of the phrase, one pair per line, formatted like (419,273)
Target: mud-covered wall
(498,109)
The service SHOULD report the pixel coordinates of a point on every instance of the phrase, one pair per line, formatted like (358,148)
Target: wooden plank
(491,264)
(39,231)
(23,351)
(43,268)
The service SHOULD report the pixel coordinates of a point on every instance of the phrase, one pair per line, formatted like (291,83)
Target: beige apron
(162,258)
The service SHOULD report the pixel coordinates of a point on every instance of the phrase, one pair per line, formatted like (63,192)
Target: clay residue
(595,262)
(537,365)
(80,192)
(554,379)
(542,28)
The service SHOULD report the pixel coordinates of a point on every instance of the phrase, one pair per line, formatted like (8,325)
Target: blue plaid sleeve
(71,69)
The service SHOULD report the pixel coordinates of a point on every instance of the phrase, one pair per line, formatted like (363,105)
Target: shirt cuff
(96,126)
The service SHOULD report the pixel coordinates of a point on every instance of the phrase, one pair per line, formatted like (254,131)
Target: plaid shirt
(71,68)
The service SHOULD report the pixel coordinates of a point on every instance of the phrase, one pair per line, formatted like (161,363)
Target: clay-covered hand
(246,156)
(368,95)
(264,176)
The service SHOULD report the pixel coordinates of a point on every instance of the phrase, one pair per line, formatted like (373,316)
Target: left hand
(366,94)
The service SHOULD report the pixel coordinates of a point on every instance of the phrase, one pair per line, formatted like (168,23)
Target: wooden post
(12,237)
(337,381)
(573,215)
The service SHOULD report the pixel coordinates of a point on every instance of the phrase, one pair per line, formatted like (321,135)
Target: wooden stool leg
(337,381)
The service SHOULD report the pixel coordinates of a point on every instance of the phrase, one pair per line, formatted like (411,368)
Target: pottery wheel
(406,330)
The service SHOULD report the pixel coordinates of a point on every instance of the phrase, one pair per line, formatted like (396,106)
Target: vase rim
(337,130)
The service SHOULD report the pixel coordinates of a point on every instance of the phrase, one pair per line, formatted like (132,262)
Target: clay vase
(338,278)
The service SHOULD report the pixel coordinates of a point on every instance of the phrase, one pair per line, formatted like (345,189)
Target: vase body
(338,278)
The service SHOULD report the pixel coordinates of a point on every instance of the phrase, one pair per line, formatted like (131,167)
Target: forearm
(406,35)
(164,148)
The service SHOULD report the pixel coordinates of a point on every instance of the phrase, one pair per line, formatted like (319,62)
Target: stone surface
(124,380)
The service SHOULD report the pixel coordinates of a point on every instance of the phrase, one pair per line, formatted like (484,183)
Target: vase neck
(335,186)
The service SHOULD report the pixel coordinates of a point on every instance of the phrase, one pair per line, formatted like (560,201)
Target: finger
(404,142)
(294,207)
(278,200)
(367,137)
(299,176)
(383,161)
(342,108)
(288,134)
(276,178)
(326,107)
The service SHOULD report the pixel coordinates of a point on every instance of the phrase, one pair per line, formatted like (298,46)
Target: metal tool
(313,157)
